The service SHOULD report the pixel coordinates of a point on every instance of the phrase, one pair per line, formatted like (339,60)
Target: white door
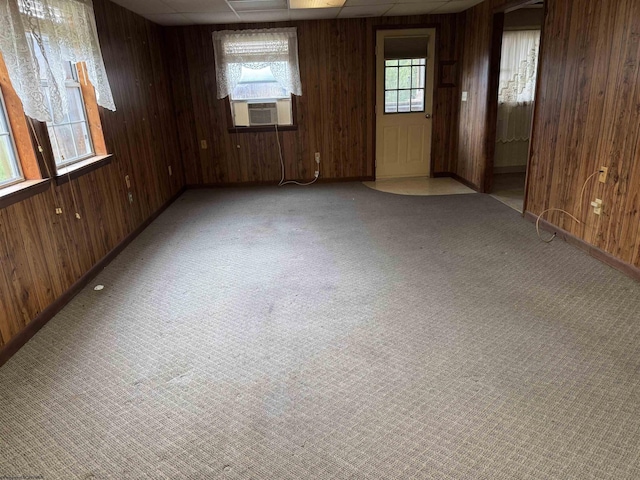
(404,102)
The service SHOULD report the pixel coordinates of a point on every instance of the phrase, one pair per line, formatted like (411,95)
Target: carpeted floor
(334,332)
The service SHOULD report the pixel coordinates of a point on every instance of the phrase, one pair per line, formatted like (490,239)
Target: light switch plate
(465,96)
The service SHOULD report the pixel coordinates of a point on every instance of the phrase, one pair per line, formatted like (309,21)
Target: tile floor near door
(419,186)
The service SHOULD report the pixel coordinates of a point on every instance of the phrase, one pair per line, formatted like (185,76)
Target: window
(404,85)
(519,66)
(258,70)
(70,139)
(258,99)
(10,171)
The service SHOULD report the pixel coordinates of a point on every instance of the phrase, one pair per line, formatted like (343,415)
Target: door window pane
(405,85)
(391,101)
(391,79)
(403,101)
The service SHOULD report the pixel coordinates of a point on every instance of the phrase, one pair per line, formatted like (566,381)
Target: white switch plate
(465,96)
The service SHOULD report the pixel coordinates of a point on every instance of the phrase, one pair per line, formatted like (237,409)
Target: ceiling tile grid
(197,12)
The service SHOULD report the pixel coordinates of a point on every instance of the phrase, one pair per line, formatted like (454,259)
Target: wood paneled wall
(42,254)
(588,115)
(335,114)
(472,130)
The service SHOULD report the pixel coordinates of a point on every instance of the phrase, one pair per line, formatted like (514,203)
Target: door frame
(492,98)
(372,123)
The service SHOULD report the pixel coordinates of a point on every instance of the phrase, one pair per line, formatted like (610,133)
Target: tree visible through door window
(404,85)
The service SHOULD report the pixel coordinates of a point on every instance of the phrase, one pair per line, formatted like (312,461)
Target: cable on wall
(579,214)
(73,193)
(282,181)
(56,199)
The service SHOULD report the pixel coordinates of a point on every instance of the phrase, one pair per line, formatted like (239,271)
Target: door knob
(428,115)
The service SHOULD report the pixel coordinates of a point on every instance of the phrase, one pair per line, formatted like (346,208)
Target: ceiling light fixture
(299,4)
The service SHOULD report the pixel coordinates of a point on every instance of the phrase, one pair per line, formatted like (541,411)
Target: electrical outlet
(465,96)
(597,206)
(318,158)
(604,171)
(130,196)
(170,171)
(203,144)
(58,211)
(127,181)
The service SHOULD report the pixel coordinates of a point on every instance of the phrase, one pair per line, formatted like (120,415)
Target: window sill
(82,168)
(21,191)
(266,128)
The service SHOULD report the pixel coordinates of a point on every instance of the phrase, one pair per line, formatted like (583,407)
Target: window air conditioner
(263,114)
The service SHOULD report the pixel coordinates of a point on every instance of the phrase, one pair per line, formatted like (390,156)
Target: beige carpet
(334,332)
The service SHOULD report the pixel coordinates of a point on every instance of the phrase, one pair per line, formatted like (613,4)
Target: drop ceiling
(198,12)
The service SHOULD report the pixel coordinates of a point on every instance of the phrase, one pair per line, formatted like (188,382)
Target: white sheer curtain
(55,31)
(517,88)
(276,48)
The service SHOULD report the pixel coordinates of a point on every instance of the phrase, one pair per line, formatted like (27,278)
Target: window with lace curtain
(517,88)
(516,95)
(258,70)
(54,65)
(70,137)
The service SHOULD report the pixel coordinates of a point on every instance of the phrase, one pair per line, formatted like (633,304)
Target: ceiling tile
(198,6)
(212,18)
(413,8)
(313,13)
(265,16)
(455,6)
(370,11)
(169,19)
(145,6)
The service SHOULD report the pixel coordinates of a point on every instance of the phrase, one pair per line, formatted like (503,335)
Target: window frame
(250,101)
(74,83)
(14,149)
(423,67)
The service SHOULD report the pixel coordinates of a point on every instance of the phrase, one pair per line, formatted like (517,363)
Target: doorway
(519,36)
(404,102)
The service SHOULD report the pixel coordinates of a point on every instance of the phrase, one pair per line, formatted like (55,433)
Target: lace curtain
(517,88)
(276,48)
(37,38)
